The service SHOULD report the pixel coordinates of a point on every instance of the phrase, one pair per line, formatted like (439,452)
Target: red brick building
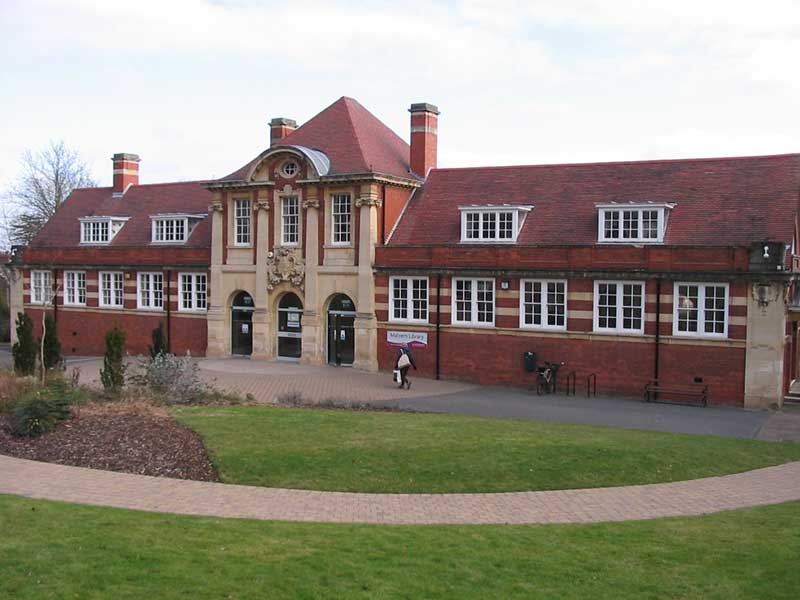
(341,240)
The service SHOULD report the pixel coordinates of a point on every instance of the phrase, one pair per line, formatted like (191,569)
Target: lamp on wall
(504,284)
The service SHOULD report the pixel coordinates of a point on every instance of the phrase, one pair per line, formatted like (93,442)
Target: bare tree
(46,178)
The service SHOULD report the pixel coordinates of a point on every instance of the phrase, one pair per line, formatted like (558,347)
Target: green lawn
(402,452)
(54,550)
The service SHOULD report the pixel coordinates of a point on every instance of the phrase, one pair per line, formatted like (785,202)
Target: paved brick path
(268,381)
(771,485)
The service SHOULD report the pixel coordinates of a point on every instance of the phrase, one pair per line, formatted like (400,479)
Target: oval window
(290,169)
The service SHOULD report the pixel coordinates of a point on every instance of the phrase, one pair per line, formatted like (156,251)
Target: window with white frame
(492,223)
(543,304)
(111,289)
(473,302)
(619,307)
(75,288)
(100,230)
(632,223)
(193,294)
(341,219)
(290,220)
(150,294)
(41,287)
(700,310)
(242,218)
(170,230)
(408,299)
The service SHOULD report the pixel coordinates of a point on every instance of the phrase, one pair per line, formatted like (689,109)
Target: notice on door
(412,338)
(293,319)
(245,328)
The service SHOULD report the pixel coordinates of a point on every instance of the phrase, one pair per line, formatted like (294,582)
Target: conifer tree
(24,350)
(113,372)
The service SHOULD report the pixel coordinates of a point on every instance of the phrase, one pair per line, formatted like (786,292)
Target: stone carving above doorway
(286,264)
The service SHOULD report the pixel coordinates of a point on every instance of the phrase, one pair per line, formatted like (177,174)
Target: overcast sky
(190,85)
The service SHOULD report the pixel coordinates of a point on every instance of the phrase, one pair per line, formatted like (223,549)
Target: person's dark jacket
(410,357)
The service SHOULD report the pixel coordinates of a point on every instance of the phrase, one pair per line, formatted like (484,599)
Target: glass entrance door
(290,327)
(341,331)
(242,325)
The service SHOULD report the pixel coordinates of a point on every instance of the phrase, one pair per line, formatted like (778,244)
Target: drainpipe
(169,311)
(438,319)
(55,298)
(658,327)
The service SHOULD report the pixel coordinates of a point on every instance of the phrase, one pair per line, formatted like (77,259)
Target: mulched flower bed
(131,439)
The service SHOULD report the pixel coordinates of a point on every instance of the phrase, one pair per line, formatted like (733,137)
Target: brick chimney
(424,124)
(279,128)
(126,172)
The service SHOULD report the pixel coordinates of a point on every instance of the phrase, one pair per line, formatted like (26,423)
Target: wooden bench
(654,387)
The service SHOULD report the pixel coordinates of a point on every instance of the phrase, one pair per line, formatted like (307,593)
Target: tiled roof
(353,138)
(138,203)
(719,201)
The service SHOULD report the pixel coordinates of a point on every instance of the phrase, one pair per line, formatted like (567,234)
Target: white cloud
(190,84)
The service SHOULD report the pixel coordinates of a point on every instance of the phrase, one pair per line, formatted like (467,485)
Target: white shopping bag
(396,376)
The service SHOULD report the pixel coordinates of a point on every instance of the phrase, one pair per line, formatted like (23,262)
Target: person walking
(405,360)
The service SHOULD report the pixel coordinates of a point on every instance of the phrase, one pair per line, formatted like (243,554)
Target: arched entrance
(242,324)
(290,327)
(341,331)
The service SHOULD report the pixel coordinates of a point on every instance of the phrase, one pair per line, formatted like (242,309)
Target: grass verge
(54,550)
(416,453)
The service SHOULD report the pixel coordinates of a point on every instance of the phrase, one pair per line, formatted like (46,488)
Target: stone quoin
(340,241)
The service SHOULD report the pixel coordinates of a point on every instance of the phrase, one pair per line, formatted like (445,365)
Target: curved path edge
(770,485)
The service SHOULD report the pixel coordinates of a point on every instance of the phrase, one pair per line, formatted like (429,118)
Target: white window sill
(111,306)
(410,321)
(700,336)
(468,324)
(543,327)
(487,241)
(628,332)
(74,304)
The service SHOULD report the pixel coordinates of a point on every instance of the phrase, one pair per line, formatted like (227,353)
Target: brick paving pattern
(268,381)
(771,485)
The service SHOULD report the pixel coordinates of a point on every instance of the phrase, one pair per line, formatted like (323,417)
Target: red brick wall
(647,258)
(623,365)
(82,332)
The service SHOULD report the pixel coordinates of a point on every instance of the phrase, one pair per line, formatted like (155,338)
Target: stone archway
(242,308)
(341,316)
(289,330)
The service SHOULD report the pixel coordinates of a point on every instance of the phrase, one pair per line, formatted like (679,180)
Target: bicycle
(547,378)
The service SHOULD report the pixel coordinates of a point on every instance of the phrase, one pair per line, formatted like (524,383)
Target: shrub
(175,378)
(24,350)
(113,372)
(159,342)
(52,347)
(38,411)
(11,388)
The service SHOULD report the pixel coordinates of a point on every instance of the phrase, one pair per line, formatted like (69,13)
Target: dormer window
(496,224)
(632,223)
(174,228)
(100,230)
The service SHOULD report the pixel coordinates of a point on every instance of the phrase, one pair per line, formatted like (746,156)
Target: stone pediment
(286,264)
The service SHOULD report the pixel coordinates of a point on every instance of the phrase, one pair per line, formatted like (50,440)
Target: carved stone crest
(286,264)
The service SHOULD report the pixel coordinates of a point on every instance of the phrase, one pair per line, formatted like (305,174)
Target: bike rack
(591,385)
(571,378)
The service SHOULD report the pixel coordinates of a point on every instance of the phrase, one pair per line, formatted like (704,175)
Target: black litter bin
(529,360)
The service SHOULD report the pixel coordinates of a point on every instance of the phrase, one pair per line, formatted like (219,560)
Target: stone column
(216,320)
(263,348)
(313,319)
(365,323)
(766,338)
